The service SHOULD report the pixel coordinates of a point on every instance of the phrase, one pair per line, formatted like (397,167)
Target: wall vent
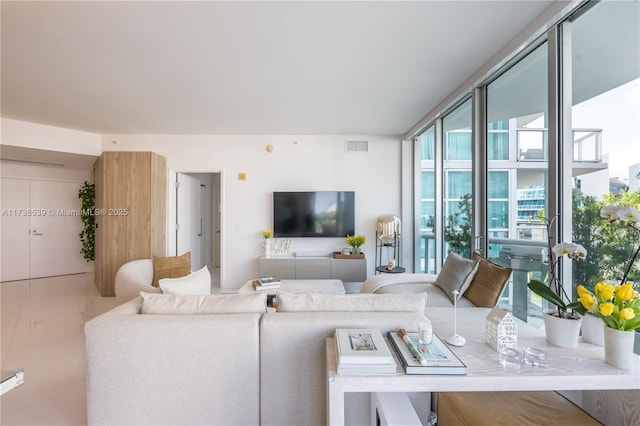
(356,146)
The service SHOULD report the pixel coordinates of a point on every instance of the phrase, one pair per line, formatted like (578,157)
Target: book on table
(258,286)
(363,351)
(440,359)
(268,280)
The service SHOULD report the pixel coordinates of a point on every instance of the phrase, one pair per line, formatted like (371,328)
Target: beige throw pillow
(171,267)
(456,274)
(169,304)
(488,283)
(196,283)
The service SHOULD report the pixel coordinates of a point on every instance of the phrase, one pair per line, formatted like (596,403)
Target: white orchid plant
(629,217)
(553,291)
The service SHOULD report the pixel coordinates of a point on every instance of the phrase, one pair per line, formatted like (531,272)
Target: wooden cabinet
(131,190)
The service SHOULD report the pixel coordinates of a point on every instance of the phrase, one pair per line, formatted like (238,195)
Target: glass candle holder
(535,357)
(510,358)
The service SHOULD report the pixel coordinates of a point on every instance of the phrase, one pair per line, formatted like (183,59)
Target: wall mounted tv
(313,214)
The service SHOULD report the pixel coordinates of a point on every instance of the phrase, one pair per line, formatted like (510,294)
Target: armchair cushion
(171,267)
(196,283)
(488,282)
(456,274)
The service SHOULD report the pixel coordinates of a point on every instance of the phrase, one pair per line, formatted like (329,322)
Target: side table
(396,270)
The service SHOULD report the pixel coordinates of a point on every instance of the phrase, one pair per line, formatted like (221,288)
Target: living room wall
(296,163)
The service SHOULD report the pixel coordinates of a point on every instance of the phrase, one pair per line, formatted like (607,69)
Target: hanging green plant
(87,195)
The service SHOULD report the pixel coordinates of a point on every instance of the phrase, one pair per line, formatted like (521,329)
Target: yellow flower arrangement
(267,233)
(617,305)
(356,241)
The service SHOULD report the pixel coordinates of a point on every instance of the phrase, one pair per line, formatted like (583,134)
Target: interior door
(14,229)
(55,241)
(190,223)
(40,227)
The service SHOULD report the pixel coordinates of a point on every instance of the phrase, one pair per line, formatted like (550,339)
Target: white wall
(296,163)
(40,136)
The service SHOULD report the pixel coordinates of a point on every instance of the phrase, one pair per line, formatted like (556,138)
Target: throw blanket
(372,284)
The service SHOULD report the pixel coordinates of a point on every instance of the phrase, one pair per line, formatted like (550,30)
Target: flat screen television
(313,214)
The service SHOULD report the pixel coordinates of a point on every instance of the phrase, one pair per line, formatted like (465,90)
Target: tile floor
(42,333)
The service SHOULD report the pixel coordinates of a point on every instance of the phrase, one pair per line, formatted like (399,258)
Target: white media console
(312,267)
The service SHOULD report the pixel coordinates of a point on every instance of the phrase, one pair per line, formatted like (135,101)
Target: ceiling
(205,67)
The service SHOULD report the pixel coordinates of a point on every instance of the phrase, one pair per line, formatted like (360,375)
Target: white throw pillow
(456,274)
(196,283)
(169,304)
(362,302)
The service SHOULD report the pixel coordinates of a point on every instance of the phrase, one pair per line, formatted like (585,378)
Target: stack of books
(266,283)
(363,351)
(434,357)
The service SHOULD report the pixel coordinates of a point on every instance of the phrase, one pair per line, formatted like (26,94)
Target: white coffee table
(299,286)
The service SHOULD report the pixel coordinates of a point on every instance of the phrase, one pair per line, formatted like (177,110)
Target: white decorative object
(267,247)
(501,330)
(593,329)
(455,339)
(281,246)
(618,348)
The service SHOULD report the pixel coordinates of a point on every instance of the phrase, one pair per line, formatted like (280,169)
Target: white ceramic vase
(593,329)
(560,331)
(618,348)
(267,247)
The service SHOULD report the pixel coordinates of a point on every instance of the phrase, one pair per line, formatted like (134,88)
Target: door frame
(217,209)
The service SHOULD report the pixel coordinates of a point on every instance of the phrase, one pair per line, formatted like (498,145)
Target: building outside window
(603,65)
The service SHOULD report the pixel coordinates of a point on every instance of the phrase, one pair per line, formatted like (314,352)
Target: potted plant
(618,306)
(355,241)
(87,196)
(562,323)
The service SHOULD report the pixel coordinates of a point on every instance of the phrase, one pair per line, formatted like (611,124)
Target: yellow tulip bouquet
(266,233)
(617,305)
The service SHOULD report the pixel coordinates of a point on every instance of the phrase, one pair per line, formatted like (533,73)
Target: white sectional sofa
(229,362)
(242,365)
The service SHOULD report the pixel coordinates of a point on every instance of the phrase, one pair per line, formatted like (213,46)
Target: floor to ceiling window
(605,116)
(426,252)
(517,174)
(457,182)
(540,155)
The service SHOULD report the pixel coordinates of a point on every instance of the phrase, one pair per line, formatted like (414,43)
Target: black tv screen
(313,214)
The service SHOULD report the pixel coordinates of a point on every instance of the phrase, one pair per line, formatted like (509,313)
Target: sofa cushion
(196,283)
(168,304)
(377,283)
(456,274)
(309,302)
(488,282)
(171,267)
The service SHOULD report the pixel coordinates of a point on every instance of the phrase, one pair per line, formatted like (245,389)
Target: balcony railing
(532,145)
